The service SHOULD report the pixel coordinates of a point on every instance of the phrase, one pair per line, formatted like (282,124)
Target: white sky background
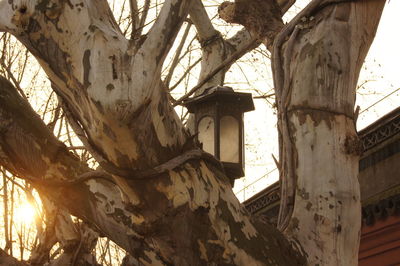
(381,71)
(382,68)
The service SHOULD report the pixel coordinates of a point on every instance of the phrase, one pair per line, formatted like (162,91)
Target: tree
(156,194)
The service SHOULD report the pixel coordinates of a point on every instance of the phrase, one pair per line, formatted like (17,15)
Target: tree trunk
(316,62)
(160,200)
(321,61)
(186,216)
(157,196)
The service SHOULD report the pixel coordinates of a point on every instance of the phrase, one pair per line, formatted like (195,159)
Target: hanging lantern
(218,115)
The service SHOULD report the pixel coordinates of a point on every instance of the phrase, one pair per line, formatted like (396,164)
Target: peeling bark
(187,216)
(319,108)
(76,240)
(111,90)
(316,62)
(263,19)
(106,82)
(218,54)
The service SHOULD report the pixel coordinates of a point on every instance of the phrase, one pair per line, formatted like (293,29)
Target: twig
(187,71)
(278,165)
(226,63)
(143,18)
(177,54)
(264,96)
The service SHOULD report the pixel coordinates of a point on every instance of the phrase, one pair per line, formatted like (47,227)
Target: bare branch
(263,19)
(162,34)
(134,17)
(143,17)
(183,75)
(175,61)
(235,56)
(200,19)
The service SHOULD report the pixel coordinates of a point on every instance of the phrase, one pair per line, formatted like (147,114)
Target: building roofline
(381,130)
(380,122)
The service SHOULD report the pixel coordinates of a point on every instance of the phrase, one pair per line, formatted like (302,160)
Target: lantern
(218,115)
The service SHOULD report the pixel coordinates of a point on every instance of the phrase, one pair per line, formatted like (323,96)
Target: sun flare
(25,213)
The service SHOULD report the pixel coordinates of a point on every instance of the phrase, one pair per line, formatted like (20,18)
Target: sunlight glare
(25,213)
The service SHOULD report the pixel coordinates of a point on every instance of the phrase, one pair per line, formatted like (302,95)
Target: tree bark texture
(316,62)
(154,195)
(316,73)
(7,260)
(76,239)
(160,211)
(188,216)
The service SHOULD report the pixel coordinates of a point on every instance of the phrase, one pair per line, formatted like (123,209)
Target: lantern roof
(222,95)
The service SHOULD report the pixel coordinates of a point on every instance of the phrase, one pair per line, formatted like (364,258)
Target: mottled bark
(218,54)
(163,209)
(320,72)
(183,216)
(263,19)
(7,260)
(29,150)
(316,62)
(76,239)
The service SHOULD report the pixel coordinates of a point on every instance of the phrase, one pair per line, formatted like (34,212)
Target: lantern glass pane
(206,134)
(229,139)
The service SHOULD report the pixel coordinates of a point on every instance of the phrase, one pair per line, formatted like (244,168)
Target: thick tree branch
(30,151)
(280,67)
(199,17)
(213,46)
(76,239)
(249,14)
(111,89)
(308,37)
(218,54)
(161,36)
(215,49)
(157,218)
(8,260)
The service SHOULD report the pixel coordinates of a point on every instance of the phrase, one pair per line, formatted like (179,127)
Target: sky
(379,77)
(382,67)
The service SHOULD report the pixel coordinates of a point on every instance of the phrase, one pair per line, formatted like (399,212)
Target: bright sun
(25,214)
